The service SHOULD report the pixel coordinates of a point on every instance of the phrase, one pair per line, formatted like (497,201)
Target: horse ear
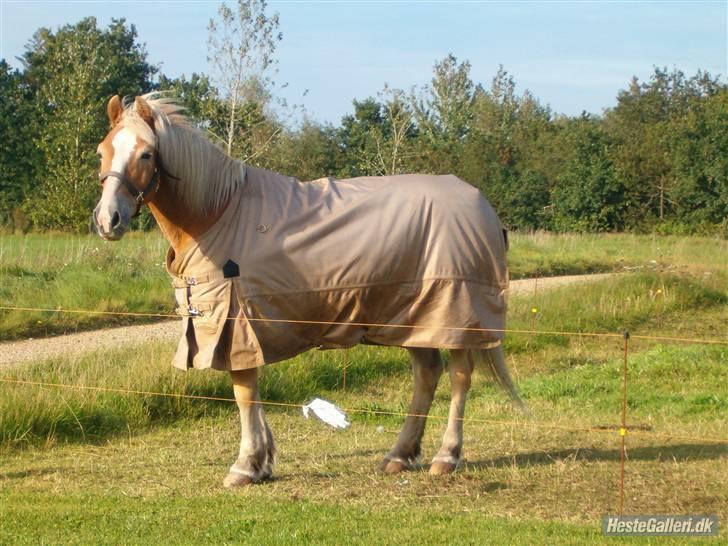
(115,110)
(144,110)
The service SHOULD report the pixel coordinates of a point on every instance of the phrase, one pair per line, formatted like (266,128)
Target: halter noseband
(139,196)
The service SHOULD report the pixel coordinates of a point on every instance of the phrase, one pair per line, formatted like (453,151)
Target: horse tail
(495,363)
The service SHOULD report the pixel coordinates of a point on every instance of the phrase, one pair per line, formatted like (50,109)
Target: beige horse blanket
(409,260)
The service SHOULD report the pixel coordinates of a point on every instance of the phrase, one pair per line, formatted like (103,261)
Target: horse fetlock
(237,479)
(255,466)
(394,464)
(252,468)
(444,464)
(402,458)
(394,467)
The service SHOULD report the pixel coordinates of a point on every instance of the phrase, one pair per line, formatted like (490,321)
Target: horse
(266,267)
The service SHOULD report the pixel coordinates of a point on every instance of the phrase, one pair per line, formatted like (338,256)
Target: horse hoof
(237,480)
(440,468)
(393,467)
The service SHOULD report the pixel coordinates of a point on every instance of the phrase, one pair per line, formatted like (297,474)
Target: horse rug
(408,260)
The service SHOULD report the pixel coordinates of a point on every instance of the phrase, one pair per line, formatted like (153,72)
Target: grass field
(73,272)
(84,272)
(104,467)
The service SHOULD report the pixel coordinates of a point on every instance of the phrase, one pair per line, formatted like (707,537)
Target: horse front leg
(257,450)
(461,368)
(426,370)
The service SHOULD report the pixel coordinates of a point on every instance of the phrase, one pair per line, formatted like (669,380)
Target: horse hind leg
(257,450)
(426,370)
(460,369)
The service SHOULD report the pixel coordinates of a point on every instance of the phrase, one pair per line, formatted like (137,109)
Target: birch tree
(241,46)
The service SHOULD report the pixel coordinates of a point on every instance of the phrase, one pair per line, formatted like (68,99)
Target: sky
(573,56)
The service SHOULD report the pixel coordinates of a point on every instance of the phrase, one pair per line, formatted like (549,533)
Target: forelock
(134,122)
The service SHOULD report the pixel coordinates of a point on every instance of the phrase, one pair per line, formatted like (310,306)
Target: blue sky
(573,56)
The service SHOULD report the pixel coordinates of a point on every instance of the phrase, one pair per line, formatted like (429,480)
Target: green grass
(84,272)
(56,270)
(667,304)
(689,385)
(520,484)
(546,254)
(557,365)
(90,467)
(30,415)
(253,519)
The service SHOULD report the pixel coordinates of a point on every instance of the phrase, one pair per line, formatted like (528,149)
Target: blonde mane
(206,175)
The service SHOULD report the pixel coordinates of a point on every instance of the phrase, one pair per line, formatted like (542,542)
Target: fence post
(346,365)
(534,310)
(623,427)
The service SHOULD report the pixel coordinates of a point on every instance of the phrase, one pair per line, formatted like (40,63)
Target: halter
(139,196)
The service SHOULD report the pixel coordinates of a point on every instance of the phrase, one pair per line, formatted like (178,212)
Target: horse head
(129,166)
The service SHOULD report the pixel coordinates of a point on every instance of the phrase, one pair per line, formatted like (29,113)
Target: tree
(357,146)
(648,128)
(19,158)
(196,94)
(241,48)
(394,141)
(72,73)
(588,195)
(443,112)
(504,151)
(380,134)
(701,164)
(307,153)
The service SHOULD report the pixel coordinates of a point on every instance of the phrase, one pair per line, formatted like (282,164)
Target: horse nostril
(115,220)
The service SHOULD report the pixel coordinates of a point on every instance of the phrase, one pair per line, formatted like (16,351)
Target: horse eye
(146,155)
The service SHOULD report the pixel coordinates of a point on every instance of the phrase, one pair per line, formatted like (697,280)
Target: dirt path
(16,352)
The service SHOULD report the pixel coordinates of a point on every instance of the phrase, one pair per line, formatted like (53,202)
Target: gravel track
(18,352)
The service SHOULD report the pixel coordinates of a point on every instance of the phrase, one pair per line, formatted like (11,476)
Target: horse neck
(202,166)
(180,224)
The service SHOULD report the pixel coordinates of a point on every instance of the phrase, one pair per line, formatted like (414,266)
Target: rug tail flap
(245,351)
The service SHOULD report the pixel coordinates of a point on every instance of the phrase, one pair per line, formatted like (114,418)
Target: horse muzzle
(110,225)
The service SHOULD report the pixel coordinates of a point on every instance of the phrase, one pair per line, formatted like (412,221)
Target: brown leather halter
(138,195)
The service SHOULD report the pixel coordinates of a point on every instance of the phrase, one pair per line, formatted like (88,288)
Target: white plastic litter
(327,412)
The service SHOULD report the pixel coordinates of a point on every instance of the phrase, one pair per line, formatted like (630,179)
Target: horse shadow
(30,473)
(672,453)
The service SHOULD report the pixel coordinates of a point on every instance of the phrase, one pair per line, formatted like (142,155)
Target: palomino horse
(266,267)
